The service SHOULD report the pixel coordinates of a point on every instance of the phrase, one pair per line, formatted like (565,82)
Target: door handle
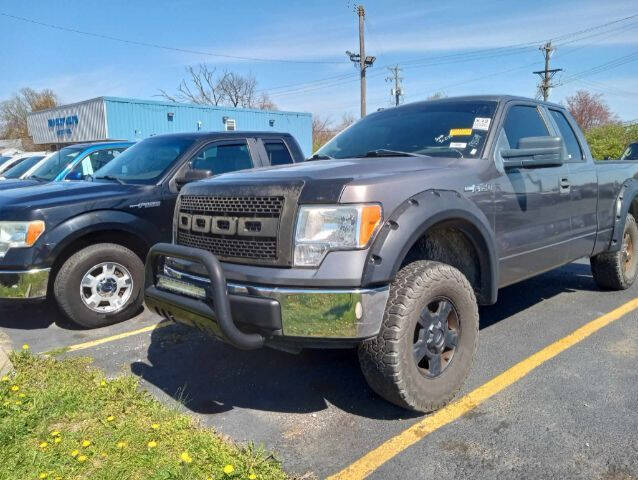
(565,186)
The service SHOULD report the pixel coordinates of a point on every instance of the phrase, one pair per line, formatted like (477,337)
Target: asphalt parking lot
(574,416)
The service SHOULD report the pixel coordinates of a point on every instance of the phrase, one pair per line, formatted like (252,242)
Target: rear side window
(523,121)
(574,152)
(96,160)
(223,158)
(278,153)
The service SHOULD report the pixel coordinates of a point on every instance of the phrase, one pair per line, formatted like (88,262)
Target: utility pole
(547,74)
(397,91)
(361,59)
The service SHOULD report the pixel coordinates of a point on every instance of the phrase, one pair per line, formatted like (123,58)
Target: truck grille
(236,247)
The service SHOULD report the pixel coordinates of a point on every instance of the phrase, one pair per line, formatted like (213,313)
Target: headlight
(323,228)
(19,234)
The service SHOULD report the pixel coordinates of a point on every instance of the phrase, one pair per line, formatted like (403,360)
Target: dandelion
(86,443)
(57,439)
(43,475)
(75,453)
(110,418)
(186,458)
(228,469)
(121,444)
(103,455)
(21,395)
(82,458)
(5,378)
(18,402)
(44,445)
(252,476)
(25,347)
(103,383)
(155,426)
(14,388)
(152,444)
(55,433)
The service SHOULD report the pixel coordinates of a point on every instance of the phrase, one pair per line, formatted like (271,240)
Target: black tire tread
(607,268)
(60,287)
(379,357)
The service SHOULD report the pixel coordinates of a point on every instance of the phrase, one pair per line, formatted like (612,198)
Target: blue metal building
(114,118)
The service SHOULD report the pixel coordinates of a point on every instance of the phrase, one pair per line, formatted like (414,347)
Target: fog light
(180,287)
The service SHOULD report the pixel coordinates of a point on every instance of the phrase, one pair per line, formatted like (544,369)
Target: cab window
(278,153)
(523,121)
(96,160)
(574,153)
(223,158)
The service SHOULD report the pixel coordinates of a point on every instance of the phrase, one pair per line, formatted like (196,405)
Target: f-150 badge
(479,187)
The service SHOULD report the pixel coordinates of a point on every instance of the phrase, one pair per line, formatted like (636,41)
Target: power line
(162,47)
(548,74)
(617,62)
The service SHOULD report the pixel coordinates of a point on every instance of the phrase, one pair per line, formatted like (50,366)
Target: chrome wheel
(106,288)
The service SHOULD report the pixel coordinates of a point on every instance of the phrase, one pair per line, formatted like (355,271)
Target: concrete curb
(6,366)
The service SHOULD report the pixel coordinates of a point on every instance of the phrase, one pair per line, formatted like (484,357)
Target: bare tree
(437,95)
(589,109)
(238,90)
(14,111)
(204,87)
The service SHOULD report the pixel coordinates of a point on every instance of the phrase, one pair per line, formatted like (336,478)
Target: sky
(297,48)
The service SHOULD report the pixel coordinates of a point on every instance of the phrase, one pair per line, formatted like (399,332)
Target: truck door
(583,183)
(532,214)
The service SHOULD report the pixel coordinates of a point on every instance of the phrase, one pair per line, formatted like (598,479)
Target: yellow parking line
(119,336)
(384,452)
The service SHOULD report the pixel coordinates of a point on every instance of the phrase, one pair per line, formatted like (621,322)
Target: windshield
(18,170)
(4,159)
(52,167)
(146,161)
(442,128)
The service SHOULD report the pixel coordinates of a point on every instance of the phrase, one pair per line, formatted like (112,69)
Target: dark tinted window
(443,128)
(223,158)
(278,153)
(631,153)
(523,121)
(21,168)
(146,161)
(574,152)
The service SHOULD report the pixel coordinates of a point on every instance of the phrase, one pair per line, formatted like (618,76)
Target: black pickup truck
(391,237)
(85,242)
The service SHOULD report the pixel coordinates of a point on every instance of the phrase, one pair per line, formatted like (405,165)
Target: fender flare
(413,218)
(87,223)
(626,196)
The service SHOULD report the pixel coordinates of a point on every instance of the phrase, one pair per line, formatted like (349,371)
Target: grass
(61,419)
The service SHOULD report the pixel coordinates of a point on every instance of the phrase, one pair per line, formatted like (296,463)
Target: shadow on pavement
(210,377)
(31,315)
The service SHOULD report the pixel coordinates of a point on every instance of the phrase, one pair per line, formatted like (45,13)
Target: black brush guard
(220,311)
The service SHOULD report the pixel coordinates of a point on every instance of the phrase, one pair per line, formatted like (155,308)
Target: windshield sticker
(473,152)
(442,138)
(460,132)
(458,144)
(476,139)
(481,123)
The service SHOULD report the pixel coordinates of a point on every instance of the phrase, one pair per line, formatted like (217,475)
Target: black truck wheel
(100,285)
(428,338)
(617,270)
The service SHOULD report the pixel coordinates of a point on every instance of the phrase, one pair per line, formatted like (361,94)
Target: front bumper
(25,284)
(300,315)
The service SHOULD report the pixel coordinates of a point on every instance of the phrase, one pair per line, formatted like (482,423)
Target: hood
(10,184)
(349,168)
(88,195)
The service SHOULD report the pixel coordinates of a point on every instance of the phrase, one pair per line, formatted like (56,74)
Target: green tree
(609,141)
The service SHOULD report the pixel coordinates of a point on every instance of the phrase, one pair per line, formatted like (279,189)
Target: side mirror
(74,176)
(534,152)
(192,176)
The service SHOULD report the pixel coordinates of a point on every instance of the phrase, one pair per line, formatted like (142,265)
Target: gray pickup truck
(393,234)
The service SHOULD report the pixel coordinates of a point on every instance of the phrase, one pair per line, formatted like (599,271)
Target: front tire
(618,270)
(426,345)
(100,285)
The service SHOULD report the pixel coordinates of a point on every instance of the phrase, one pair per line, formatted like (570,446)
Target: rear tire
(618,270)
(100,285)
(430,303)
